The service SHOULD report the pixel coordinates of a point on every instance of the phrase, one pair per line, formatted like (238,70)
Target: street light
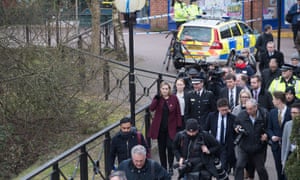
(128,7)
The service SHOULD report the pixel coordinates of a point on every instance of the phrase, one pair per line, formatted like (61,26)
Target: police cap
(287,67)
(198,79)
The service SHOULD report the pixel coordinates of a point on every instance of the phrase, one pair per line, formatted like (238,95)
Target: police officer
(180,12)
(193,10)
(286,79)
(199,102)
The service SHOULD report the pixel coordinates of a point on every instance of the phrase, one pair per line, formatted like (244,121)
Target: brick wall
(158,7)
(257,13)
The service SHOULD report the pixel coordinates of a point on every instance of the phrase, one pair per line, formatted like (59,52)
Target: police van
(212,39)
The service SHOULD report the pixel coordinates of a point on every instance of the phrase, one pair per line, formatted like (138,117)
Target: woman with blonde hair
(243,97)
(165,123)
(181,93)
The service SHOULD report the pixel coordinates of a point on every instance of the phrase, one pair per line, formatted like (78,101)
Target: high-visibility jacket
(279,84)
(180,12)
(194,11)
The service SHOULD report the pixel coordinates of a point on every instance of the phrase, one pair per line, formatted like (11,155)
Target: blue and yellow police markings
(246,41)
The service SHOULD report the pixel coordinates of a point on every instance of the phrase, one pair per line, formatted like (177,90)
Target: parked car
(211,40)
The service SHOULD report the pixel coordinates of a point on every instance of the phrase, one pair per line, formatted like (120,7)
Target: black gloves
(157,97)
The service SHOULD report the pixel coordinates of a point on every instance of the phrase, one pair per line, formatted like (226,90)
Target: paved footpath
(150,51)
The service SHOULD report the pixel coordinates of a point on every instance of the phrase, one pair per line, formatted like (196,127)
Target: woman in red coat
(166,121)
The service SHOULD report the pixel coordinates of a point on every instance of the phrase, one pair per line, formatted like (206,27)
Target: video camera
(241,133)
(184,167)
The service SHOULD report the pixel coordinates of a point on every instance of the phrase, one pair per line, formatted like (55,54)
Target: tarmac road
(150,51)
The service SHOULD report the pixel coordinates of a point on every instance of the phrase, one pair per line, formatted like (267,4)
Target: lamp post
(128,7)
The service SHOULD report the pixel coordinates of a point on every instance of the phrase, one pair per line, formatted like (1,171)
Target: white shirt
(181,101)
(219,127)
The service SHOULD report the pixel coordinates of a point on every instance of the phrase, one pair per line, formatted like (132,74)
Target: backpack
(139,139)
(289,18)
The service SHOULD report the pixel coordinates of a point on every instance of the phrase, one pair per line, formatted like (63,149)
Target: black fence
(88,159)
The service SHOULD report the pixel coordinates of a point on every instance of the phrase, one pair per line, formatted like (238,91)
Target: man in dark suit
(277,119)
(269,74)
(220,125)
(199,102)
(231,91)
(270,53)
(261,95)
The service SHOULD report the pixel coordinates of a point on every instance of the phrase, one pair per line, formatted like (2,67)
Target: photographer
(251,124)
(215,81)
(195,151)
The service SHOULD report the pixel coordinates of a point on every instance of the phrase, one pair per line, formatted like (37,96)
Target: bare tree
(119,38)
(96,38)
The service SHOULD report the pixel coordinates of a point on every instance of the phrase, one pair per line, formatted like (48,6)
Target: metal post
(106,83)
(83,164)
(55,174)
(147,125)
(279,24)
(131,71)
(106,145)
(158,81)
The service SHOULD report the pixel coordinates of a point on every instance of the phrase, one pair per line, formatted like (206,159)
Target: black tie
(231,100)
(222,131)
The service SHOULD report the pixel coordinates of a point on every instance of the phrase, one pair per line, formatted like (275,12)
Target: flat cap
(295,57)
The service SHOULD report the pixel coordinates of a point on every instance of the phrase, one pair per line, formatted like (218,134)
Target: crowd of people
(228,120)
(217,120)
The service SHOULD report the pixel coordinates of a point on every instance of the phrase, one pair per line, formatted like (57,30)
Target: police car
(211,40)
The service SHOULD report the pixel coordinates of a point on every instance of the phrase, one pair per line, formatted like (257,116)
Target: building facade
(256,13)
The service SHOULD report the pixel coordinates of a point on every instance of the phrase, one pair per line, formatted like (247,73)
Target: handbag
(289,18)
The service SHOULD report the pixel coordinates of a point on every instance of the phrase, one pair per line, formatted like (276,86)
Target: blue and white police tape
(149,33)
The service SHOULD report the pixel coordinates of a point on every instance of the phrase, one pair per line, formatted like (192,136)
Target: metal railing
(89,159)
(84,155)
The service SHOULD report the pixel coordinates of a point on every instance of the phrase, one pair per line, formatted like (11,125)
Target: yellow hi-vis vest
(279,85)
(194,11)
(180,12)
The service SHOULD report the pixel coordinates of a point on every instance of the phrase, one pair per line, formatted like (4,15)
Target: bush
(41,105)
(292,167)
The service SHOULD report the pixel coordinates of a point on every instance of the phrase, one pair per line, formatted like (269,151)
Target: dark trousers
(224,157)
(295,28)
(258,160)
(277,159)
(165,150)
